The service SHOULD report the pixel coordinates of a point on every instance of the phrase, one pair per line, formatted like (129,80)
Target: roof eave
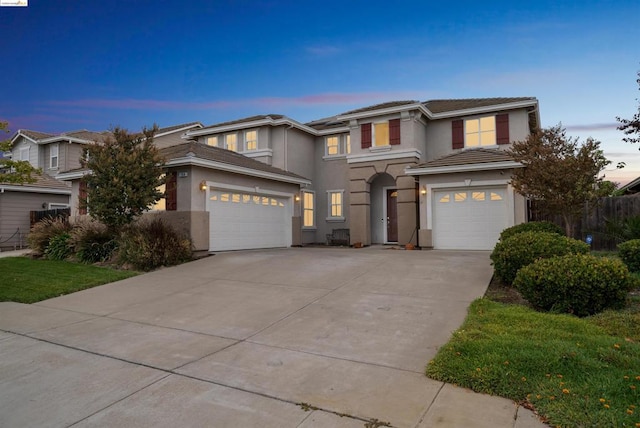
(34,189)
(382,111)
(72,175)
(184,128)
(206,163)
(486,166)
(247,125)
(484,109)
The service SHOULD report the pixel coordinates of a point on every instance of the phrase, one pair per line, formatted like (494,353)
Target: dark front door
(392,215)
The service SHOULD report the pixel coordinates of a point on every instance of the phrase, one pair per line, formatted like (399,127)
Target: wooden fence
(593,222)
(36,216)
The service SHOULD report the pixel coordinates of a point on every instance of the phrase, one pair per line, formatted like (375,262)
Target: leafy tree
(631,126)
(126,171)
(559,174)
(14,171)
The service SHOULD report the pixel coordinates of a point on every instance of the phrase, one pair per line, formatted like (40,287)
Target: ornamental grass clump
(578,284)
(524,248)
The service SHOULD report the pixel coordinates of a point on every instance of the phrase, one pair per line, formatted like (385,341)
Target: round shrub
(151,243)
(58,248)
(533,226)
(629,252)
(524,248)
(577,283)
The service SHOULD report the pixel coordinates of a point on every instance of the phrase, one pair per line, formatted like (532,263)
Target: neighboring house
(430,173)
(631,188)
(56,155)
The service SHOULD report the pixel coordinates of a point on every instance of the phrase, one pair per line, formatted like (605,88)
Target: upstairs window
(53,156)
(347,144)
(337,145)
(480,132)
(380,134)
(231,142)
(333,148)
(24,154)
(251,140)
(212,141)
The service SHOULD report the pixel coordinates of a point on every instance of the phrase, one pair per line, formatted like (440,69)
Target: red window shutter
(82,198)
(502,128)
(394,132)
(457,134)
(171,192)
(365,135)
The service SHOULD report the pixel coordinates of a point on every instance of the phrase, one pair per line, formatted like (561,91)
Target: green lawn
(574,372)
(27,281)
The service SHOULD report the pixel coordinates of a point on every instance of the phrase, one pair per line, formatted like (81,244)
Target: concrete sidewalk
(307,337)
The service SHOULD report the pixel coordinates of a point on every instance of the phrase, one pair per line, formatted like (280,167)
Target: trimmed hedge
(533,226)
(629,252)
(524,248)
(578,284)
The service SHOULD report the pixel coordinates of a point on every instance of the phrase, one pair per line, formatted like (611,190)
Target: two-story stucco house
(55,155)
(431,173)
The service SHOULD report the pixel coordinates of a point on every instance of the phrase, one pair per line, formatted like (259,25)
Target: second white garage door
(242,221)
(469,219)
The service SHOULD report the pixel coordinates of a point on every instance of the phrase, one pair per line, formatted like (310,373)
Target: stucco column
(359,211)
(407,220)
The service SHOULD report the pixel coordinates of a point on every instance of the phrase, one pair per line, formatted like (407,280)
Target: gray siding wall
(34,152)
(14,213)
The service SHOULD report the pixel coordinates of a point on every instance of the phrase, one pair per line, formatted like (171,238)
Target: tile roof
(174,127)
(247,119)
(34,135)
(443,106)
(218,154)
(467,157)
(44,181)
(381,106)
(83,134)
(327,123)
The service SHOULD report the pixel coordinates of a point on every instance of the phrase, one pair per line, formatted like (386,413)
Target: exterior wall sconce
(203,185)
(297,198)
(423,190)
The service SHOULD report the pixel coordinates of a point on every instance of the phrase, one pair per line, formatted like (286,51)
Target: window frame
(234,143)
(347,144)
(337,145)
(330,205)
(480,132)
(374,142)
(213,138)
(52,157)
(247,141)
(305,209)
(23,150)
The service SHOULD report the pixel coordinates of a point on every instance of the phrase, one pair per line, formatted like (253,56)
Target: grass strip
(570,370)
(25,280)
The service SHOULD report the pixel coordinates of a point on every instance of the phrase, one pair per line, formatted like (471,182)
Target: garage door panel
(469,218)
(248,221)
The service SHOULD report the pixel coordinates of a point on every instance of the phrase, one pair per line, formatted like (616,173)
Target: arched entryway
(383,195)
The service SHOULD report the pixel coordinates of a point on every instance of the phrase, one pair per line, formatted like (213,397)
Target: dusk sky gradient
(69,65)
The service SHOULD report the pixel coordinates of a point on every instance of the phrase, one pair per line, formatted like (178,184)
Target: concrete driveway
(308,337)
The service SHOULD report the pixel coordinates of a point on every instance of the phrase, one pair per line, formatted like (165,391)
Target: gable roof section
(44,184)
(381,106)
(33,136)
(464,161)
(192,153)
(174,128)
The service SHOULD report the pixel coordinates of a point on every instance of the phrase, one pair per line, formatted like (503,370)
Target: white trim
(388,110)
(64,138)
(329,205)
(184,161)
(74,175)
(458,185)
(252,124)
(57,206)
(330,131)
(257,189)
(486,166)
(184,128)
(257,153)
(386,155)
(32,189)
(57,156)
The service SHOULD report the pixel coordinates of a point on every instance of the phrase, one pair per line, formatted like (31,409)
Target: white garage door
(469,219)
(242,221)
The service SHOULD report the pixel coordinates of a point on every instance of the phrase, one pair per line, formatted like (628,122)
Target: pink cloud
(305,100)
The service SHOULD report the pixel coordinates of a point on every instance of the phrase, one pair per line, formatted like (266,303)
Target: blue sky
(71,65)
